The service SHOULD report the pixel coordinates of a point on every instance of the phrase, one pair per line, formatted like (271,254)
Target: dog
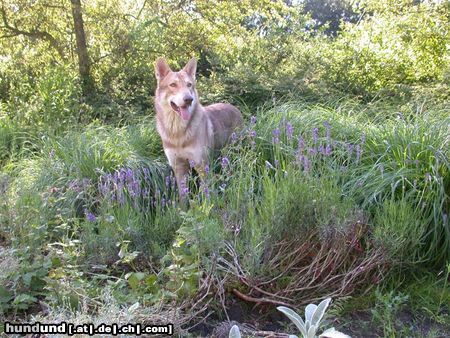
(188,130)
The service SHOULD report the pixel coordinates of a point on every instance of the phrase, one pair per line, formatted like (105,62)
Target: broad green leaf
(320,311)
(295,318)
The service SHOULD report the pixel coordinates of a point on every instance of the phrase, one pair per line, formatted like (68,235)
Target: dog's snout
(188,99)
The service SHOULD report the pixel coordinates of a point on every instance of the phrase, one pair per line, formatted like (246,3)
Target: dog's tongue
(184,112)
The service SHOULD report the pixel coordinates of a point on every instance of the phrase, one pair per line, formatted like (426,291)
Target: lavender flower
(306,164)
(253,120)
(206,191)
(277,163)
(184,187)
(234,136)
(191,164)
(276,134)
(225,162)
(252,133)
(90,217)
(206,169)
(315,134)
(327,130)
(289,131)
(328,150)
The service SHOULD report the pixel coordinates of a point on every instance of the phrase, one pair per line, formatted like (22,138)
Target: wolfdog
(189,131)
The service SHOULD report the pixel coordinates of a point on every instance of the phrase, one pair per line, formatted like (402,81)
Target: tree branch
(35,33)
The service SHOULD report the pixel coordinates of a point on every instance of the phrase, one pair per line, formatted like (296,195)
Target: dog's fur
(188,130)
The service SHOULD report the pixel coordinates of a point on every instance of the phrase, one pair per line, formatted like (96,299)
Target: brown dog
(188,130)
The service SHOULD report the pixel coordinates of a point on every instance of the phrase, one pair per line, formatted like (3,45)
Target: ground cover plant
(336,187)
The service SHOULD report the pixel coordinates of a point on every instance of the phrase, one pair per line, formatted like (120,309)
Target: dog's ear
(161,69)
(191,67)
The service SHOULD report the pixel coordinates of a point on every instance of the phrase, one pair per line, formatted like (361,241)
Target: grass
(313,200)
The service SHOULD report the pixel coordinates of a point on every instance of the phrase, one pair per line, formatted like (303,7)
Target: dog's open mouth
(182,111)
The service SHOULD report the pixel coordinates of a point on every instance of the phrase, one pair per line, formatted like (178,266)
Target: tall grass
(308,200)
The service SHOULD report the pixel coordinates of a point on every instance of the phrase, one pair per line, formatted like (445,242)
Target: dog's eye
(189,84)
(173,84)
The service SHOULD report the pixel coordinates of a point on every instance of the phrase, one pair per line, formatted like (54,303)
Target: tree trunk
(83,57)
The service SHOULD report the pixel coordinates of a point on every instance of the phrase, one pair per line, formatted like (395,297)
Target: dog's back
(225,118)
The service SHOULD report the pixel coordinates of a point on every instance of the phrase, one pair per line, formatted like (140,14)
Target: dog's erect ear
(191,67)
(161,68)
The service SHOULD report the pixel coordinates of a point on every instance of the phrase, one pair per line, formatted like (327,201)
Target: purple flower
(234,136)
(306,164)
(168,180)
(184,187)
(252,133)
(276,134)
(327,129)
(191,164)
(301,145)
(277,163)
(90,217)
(206,191)
(253,120)
(328,150)
(225,162)
(289,130)
(206,169)
(52,153)
(350,148)
(315,134)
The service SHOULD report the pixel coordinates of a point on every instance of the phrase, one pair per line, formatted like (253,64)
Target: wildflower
(223,186)
(301,145)
(276,134)
(52,153)
(289,131)
(252,133)
(90,217)
(168,180)
(233,136)
(327,129)
(328,150)
(225,162)
(184,187)
(206,169)
(206,191)
(277,163)
(253,119)
(315,134)
(191,164)
(306,164)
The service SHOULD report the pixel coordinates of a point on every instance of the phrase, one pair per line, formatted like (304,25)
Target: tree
(82,52)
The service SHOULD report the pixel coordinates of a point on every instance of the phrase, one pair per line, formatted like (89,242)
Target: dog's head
(176,90)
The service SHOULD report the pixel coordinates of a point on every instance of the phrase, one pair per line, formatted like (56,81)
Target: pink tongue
(185,113)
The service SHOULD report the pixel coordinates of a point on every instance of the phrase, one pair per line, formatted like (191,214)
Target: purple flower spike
(234,137)
(253,120)
(289,130)
(328,150)
(252,133)
(90,217)
(315,134)
(327,129)
(276,134)
(206,169)
(225,162)
(191,163)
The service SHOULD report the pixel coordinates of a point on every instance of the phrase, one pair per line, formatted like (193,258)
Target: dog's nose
(188,99)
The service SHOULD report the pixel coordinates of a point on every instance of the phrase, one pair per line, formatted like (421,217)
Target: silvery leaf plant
(313,315)
(308,327)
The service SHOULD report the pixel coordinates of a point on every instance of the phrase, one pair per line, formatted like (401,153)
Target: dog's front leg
(181,169)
